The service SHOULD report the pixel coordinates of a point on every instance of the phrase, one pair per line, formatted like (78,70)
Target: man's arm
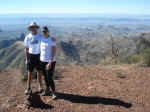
(26,44)
(26,54)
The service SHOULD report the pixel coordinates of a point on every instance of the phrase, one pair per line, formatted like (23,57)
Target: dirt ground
(123,88)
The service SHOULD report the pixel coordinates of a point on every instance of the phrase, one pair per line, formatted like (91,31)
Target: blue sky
(75,6)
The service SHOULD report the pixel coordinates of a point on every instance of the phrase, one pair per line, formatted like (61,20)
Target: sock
(40,85)
(28,85)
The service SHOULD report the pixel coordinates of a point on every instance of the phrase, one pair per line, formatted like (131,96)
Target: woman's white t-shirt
(33,43)
(46,49)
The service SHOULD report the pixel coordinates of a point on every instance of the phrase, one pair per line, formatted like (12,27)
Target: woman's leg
(45,75)
(50,74)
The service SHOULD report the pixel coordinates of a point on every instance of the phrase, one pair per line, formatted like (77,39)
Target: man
(48,60)
(32,53)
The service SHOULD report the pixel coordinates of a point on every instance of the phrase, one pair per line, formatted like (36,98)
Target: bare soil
(122,88)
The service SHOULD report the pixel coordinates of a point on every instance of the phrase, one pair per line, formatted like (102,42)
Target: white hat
(33,24)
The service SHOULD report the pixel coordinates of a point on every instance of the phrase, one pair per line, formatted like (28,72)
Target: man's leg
(39,79)
(29,81)
(39,69)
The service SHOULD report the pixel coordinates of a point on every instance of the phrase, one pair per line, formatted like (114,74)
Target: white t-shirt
(46,49)
(33,43)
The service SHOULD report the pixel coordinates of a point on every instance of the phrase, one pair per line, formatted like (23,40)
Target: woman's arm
(52,58)
(53,49)
(53,52)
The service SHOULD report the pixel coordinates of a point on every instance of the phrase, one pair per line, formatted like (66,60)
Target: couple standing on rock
(40,52)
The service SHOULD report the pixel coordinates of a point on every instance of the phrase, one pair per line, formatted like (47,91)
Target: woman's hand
(48,66)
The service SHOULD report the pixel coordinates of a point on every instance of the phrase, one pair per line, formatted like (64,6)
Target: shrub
(110,61)
(134,59)
(146,56)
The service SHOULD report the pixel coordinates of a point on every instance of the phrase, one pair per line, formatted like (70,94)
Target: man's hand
(26,62)
(48,66)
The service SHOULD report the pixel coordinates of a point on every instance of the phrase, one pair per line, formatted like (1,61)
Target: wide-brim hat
(33,25)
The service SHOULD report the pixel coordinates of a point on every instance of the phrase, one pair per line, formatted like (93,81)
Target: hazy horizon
(78,6)
(72,15)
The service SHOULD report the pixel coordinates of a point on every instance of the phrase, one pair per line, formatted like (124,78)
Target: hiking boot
(27,104)
(46,92)
(28,91)
(41,89)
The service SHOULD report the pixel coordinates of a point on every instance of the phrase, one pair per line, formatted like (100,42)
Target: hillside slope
(83,89)
(12,56)
(91,51)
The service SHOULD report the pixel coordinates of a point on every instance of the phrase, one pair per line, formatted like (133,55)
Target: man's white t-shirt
(46,49)
(33,43)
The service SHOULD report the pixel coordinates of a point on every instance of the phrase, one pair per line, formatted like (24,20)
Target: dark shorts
(33,62)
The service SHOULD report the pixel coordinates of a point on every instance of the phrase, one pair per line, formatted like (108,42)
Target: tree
(115,48)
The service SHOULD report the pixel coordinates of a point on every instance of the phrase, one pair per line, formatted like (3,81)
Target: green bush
(110,61)
(146,56)
(134,59)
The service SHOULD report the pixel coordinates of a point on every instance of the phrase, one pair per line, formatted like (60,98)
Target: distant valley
(81,41)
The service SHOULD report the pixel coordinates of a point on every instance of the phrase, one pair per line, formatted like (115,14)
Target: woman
(48,60)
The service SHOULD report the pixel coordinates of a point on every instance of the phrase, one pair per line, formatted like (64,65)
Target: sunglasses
(44,31)
(32,27)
